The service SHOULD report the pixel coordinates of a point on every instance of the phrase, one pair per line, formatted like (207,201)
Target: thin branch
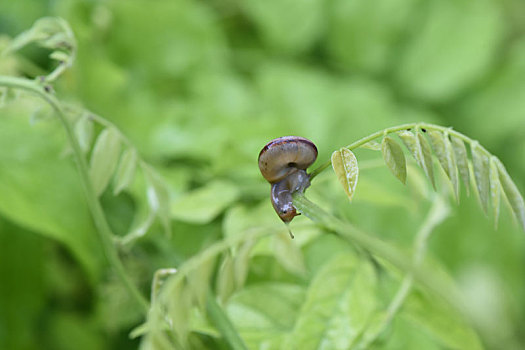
(103,229)
(437,213)
(378,248)
(393,129)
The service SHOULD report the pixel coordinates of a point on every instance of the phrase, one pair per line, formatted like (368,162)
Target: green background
(199,87)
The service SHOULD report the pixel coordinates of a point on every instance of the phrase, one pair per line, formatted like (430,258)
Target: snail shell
(283,163)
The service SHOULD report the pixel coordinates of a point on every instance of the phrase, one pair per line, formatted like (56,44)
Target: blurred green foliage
(199,87)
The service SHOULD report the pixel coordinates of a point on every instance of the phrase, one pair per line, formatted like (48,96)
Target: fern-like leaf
(394,158)
(495,188)
(483,170)
(445,154)
(512,194)
(420,149)
(460,154)
(481,174)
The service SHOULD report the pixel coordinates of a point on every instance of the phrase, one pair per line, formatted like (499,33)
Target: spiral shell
(283,163)
(285,155)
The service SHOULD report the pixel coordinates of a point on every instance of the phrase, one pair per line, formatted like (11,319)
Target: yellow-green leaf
(460,153)
(445,154)
(84,132)
(199,281)
(495,189)
(420,150)
(241,263)
(480,162)
(158,197)
(452,166)
(346,169)
(394,158)
(340,302)
(426,152)
(204,204)
(125,171)
(226,278)
(512,194)
(104,159)
(288,254)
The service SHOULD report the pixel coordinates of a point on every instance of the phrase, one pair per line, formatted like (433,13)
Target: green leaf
(452,166)
(126,171)
(460,154)
(362,34)
(481,165)
(445,154)
(394,158)
(452,44)
(41,191)
(301,20)
(23,300)
(139,229)
(204,204)
(512,194)
(265,311)
(340,301)
(60,56)
(345,167)
(427,163)
(53,33)
(158,197)
(199,281)
(495,188)
(241,263)
(104,159)
(225,278)
(420,149)
(288,254)
(441,321)
(179,309)
(84,132)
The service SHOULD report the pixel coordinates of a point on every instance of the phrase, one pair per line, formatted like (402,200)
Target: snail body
(283,163)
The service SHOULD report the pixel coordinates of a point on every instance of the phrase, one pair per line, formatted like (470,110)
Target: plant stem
(378,248)
(103,229)
(390,130)
(437,213)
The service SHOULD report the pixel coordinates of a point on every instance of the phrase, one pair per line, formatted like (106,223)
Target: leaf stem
(378,248)
(437,213)
(393,129)
(103,229)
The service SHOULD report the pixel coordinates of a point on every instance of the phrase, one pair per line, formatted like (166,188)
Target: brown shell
(284,155)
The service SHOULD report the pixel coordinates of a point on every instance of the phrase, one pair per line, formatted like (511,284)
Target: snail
(283,163)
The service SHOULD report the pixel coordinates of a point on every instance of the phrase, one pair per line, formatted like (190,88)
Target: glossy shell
(285,155)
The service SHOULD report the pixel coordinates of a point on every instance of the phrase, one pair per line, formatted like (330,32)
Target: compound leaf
(480,162)
(512,194)
(460,153)
(394,158)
